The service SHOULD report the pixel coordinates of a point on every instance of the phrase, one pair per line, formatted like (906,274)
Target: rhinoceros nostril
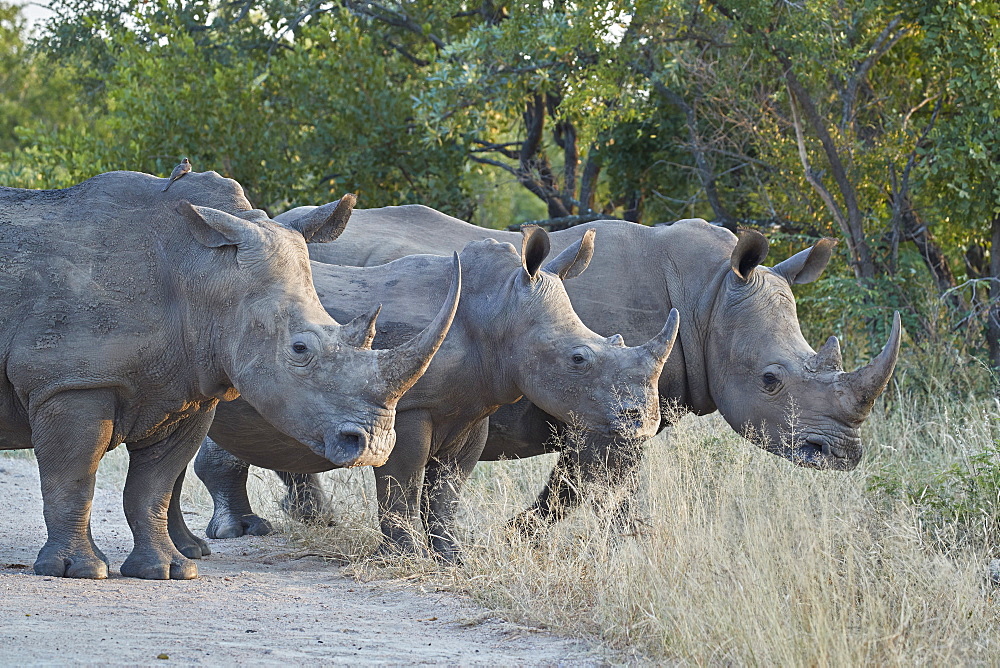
(354,438)
(827,449)
(347,444)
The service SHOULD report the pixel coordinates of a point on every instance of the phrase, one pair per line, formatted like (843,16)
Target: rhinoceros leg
(152,474)
(399,482)
(186,542)
(560,494)
(607,465)
(443,482)
(225,476)
(70,433)
(305,499)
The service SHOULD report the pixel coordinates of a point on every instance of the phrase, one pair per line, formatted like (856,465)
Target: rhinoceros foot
(87,562)
(188,544)
(156,565)
(447,551)
(229,525)
(402,545)
(305,499)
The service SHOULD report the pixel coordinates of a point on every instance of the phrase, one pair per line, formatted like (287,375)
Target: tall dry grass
(742,558)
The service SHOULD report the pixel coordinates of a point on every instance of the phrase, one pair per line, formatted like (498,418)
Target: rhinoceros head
(766,380)
(314,379)
(598,383)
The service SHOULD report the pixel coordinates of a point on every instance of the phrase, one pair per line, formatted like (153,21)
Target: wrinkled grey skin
(515,334)
(127,314)
(739,351)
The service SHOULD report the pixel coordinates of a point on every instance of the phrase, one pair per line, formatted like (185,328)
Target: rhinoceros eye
(581,359)
(770,381)
(299,347)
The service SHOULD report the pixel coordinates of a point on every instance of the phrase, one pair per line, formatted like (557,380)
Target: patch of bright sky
(35,13)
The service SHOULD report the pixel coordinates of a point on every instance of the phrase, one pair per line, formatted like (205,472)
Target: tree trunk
(993,320)
(633,207)
(916,230)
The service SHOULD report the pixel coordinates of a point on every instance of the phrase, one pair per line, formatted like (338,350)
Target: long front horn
(659,346)
(402,366)
(868,382)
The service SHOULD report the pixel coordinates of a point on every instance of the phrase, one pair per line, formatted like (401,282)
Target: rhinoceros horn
(402,366)
(360,332)
(868,382)
(828,358)
(659,346)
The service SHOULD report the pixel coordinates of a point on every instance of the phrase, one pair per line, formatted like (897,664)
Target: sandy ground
(251,606)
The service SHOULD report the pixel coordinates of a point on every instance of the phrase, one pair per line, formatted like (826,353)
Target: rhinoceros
(739,351)
(515,334)
(128,314)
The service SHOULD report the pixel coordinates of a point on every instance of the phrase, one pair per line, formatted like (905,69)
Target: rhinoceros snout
(632,424)
(820,453)
(630,421)
(350,444)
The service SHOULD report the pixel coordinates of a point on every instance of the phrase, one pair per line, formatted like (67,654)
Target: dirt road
(249,607)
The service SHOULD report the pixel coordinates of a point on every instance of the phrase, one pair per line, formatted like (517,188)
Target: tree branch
(811,176)
(495,163)
(880,46)
(396,18)
(705,172)
(588,182)
(419,62)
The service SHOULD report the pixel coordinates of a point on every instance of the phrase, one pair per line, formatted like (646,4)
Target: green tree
(298,114)
(31,88)
(961,182)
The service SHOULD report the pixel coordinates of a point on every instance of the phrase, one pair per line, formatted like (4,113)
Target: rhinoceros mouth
(819,453)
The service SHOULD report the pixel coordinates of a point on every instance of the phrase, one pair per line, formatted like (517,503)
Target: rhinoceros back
(377,236)
(87,295)
(410,291)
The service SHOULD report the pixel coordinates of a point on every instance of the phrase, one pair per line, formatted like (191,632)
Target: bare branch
(588,182)
(705,171)
(918,107)
(504,149)
(419,62)
(292,25)
(495,163)
(811,176)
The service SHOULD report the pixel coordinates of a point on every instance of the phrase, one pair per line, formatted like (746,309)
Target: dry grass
(744,558)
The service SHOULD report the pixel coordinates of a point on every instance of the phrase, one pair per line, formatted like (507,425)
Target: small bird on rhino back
(182,168)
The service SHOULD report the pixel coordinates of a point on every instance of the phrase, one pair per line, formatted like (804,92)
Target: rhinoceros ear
(325,223)
(214,228)
(253,215)
(572,261)
(750,251)
(534,248)
(806,266)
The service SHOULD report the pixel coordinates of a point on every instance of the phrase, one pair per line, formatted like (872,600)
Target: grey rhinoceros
(128,314)
(515,334)
(739,351)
